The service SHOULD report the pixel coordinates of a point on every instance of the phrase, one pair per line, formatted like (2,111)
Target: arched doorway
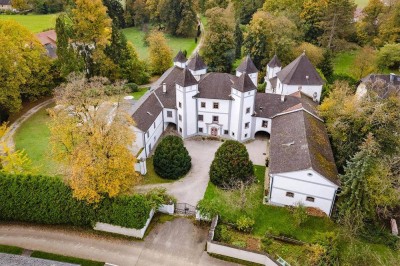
(262,135)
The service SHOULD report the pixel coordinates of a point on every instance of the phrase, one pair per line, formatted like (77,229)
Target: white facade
(187,111)
(213,116)
(307,187)
(311,91)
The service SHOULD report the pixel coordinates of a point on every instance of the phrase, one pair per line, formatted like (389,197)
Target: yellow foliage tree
(160,53)
(93,136)
(13,162)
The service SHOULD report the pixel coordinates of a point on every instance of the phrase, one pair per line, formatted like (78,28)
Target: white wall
(257,121)
(253,76)
(306,89)
(169,119)
(302,185)
(271,72)
(198,73)
(188,112)
(208,112)
(248,102)
(152,135)
(235,129)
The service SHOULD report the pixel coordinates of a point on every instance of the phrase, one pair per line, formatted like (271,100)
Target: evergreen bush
(47,200)
(231,165)
(171,159)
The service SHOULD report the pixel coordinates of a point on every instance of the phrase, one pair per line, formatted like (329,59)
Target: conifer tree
(116,12)
(238,40)
(326,65)
(178,16)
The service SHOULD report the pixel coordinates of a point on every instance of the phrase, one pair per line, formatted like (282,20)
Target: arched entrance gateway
(262,135)
(214,131)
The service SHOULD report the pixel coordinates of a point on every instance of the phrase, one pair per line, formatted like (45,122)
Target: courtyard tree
(171,159)
(219,47)
(159,52)
(231,165)
(92,137)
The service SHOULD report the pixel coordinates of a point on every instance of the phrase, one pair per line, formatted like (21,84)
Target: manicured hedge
(47,200)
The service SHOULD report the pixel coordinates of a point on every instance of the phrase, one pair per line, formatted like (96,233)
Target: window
(180,105)
(200,117)
(149,147)
(154,125)
(215,105)
(226,132)
(311,199)
(169,113)
(290,194)
(154,138)
(248,110)
(245,135)
(180,118)
(148,134)
(247,125)
(203,105)
(200,129)
(264,123)
(180,129)
(215,118)
(233,133)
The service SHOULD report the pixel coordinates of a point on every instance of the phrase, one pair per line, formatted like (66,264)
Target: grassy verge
(11,250)
(281,221)
(33,137)
(55,257)
(135,35)
(138,94)
(152,177)
(343,62)
(34,23)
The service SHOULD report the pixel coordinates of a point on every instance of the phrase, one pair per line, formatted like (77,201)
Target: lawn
(361,3)
(343,62)
(34,23)
(33,137)
(10,250)
(281,221)
(138,94)
(55,257)
(136,37)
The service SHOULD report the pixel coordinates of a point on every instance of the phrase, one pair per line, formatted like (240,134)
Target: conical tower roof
(180,57)
(275,62)
(247,66)
(186,79)
(196,63)
(244,83)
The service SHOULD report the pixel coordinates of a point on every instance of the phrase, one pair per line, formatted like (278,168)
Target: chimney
(164,88)
(282,98)
(392,75)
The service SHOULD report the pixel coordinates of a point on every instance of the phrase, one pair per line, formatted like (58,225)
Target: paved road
(178,242)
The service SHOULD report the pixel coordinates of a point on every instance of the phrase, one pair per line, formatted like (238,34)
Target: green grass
(33,137)
(343,62)
(135,36)
(34,23)
(151,177)
(11,250)
(137,95)
(55,257)
(361,3)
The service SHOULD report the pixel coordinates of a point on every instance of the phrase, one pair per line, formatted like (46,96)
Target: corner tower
(247,66)
(180,60)
(197,66)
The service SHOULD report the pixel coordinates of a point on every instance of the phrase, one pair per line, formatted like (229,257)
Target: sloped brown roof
(299,141)
(168,99)
(180,57)
(390,86)
(275,62)
(247,65)
(268,105)
(185,78)
(147,113)
(244,83)
(5,2)
(300,72)
(47,37)
(196,63)
(216,86)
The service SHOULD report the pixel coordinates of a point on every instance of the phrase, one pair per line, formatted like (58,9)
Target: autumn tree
(368,27)
(178,16)
(364,63)
(92,136)
(267,35)
(389,29)
(313,52)
(21,4)
(389,57)
(311,15)
(350,119)
(218,50)
(11,161)
(366,186)
(160,55)
(337,23)
(24,68)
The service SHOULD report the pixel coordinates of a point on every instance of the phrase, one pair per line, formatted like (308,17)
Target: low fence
(138,233)
(218,248)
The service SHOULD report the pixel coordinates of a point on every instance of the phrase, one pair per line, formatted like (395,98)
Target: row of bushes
(47,200)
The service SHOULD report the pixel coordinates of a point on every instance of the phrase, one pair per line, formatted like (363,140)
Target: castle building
(199,103)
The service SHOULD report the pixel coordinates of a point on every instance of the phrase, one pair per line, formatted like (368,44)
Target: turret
(247,66)
(180,60)
(273,67)
(197,66)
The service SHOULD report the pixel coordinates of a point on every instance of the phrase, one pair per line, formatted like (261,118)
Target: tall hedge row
(47,200)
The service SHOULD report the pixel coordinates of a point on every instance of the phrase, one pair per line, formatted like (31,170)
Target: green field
(343,62)
(361,3)
(34,23)
(33,137)
(135,36)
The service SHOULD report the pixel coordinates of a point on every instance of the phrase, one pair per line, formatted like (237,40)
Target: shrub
(207,208)
(389,56)
(47,200)
(132,87)
(266,241)
(245,224)
(231,165)
(240,244)
(222,234)
(300,214)
(171,158)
